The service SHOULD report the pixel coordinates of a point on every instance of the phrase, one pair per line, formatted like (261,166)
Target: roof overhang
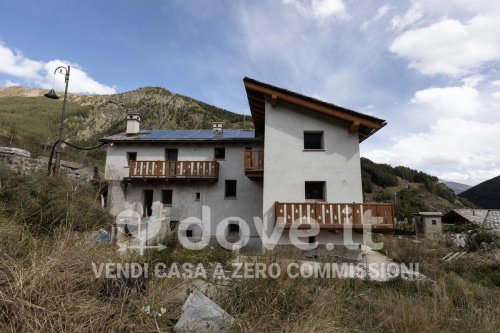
(258,93)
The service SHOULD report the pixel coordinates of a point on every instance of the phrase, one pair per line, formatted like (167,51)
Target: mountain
(457,188)
(485,195)
(24,112)
(411,190)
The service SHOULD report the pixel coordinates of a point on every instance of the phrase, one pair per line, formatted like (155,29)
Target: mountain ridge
(486,194)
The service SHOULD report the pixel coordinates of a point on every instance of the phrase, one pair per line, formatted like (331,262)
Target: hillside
(486,194)
(25,113)
(411,190)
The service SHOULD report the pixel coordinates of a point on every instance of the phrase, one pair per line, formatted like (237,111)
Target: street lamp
(52,95)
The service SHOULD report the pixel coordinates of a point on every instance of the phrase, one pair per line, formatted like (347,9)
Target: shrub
(45,204)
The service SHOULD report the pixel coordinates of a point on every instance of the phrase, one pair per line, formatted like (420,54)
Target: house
(428,224)
(301,162)
(486,218)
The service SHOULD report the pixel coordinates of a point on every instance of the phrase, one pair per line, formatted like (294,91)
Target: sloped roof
(185,136)
(257,93)
(487,218)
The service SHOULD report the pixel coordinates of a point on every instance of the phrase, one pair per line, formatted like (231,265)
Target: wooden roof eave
(310,105)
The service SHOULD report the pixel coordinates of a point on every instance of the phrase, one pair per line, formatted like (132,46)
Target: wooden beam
(354,127)
(274,100)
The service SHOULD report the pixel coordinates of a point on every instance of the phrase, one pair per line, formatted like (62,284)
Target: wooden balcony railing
(254,163)
(379,216)
(203,170)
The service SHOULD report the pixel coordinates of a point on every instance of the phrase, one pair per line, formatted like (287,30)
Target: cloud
(381,12)
(39,73)
(450,47)
(457,145)
(412,15)
(9,83)
(453,101)
(319,8)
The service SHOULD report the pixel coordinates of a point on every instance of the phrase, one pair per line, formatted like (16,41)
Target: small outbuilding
(428,224)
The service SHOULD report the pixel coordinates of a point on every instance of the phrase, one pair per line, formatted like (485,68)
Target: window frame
(215,153)
(226,182)
(322,145)
(171,197)
(323,184)
(167,150)
(127,155)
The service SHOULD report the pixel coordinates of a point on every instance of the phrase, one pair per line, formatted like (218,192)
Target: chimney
(217,127)
(133,122)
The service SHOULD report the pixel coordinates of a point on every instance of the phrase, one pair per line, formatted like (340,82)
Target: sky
(429,67)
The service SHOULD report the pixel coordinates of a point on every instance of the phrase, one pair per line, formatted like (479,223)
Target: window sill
(230,198)
(313,150)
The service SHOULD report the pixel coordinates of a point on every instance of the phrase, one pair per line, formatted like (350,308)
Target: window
(230,190)
(171,154)
(315,190)
(233,229)
(173,225)
(312,239)
(189,233)
(313,140)
(131,156)
(434,222)
(219,153)
(166,197)
(198,196)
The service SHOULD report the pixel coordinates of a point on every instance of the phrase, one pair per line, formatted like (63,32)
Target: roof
(257,93)
(429,213)
(185,136)
(488,218)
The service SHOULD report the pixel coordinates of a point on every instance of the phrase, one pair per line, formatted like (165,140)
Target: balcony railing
(254,163)
(379,216)
(174,170)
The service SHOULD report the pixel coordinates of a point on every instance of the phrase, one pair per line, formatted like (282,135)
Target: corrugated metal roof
(186,135)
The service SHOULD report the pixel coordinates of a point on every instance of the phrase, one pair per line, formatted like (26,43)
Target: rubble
(200,314)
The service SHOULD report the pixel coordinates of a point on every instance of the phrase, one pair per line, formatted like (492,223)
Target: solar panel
(196,134)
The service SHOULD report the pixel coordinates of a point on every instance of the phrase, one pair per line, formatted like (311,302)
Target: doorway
(147,202)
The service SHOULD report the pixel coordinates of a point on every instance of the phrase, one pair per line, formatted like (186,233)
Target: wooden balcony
(254,163)
(336,216)
(174,170)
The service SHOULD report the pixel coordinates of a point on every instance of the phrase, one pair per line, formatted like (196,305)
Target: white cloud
(450,47)
(458,145)
(455,101)
(40,73)
(9,83)
(496,95)
(469,177)
(495,83)
(412,15)
(381,12)
(320,8)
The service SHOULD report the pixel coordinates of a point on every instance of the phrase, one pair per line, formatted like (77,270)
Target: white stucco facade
(127,195)
(287,165)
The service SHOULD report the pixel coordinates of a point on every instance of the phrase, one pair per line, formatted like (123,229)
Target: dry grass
(47,285)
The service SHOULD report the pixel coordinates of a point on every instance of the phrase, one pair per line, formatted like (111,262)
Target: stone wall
(23,164)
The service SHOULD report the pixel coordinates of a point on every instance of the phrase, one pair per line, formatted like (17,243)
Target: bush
(45,204)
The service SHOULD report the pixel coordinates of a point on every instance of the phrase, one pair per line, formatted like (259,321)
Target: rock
(15,151)
(200,314)
(458,240)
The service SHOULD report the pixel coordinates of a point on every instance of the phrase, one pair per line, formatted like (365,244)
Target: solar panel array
(161,135)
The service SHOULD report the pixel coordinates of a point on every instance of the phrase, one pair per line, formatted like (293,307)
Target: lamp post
(52,94)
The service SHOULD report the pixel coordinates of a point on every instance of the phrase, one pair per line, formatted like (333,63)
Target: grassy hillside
(411,190)
(26,114)
(486,194)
